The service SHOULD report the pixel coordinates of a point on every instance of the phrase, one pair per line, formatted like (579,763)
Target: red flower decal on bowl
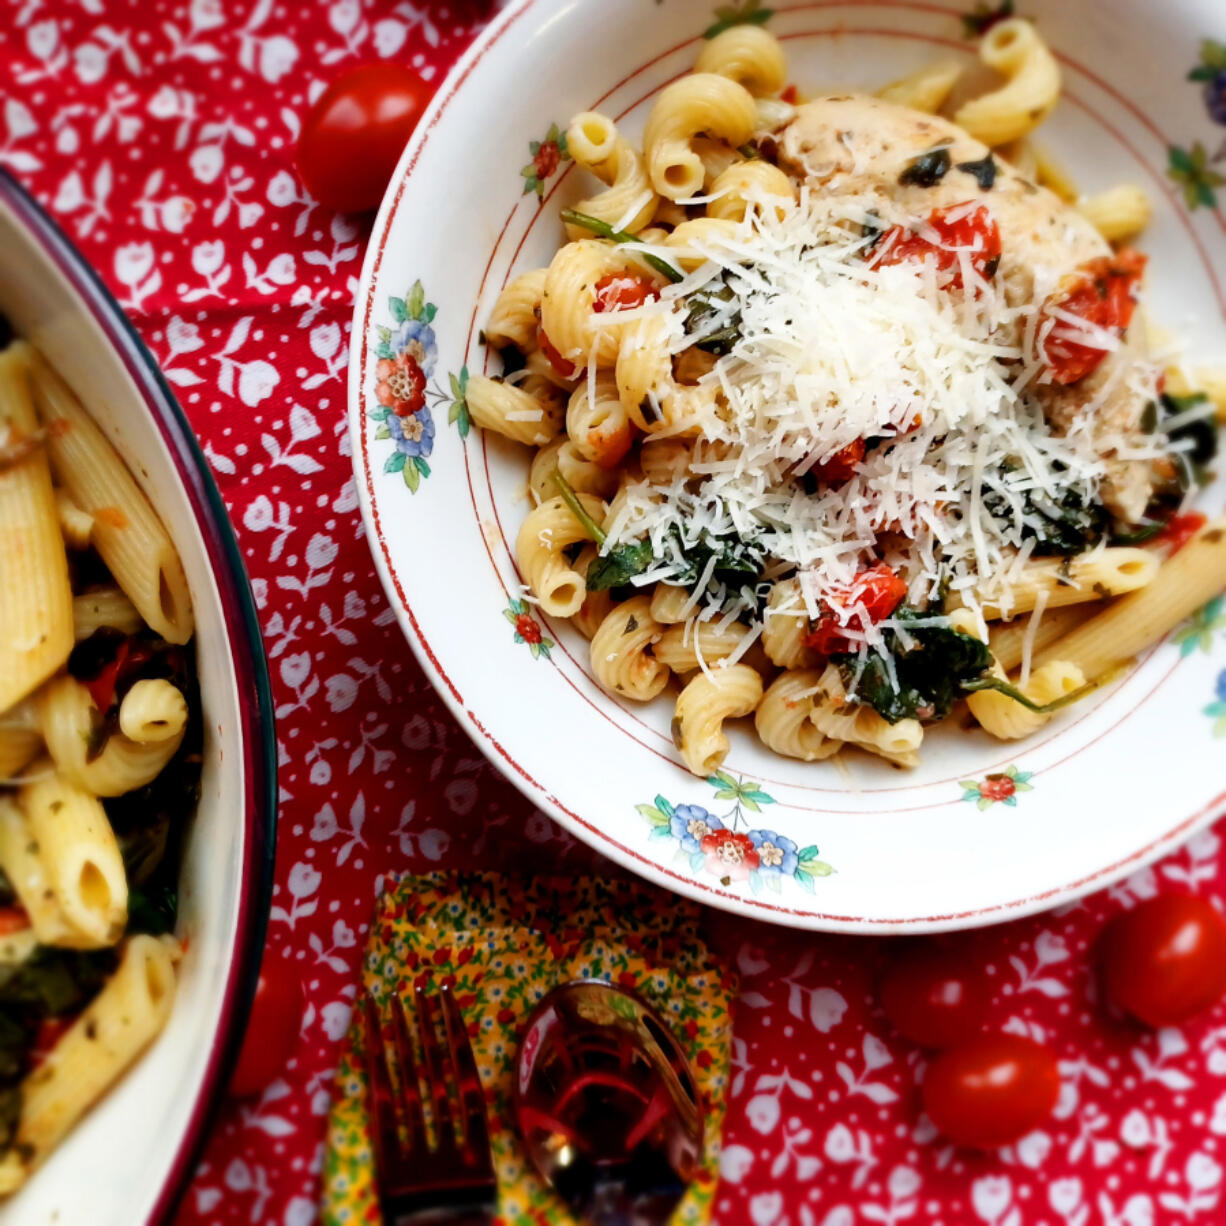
(401,384)
(527,629)
(999,788)
(731,855)
(547,156)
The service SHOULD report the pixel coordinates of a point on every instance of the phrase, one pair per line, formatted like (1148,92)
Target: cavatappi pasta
(839,416)
(99,760)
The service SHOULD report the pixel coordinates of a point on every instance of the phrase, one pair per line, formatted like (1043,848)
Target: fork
(443,1173)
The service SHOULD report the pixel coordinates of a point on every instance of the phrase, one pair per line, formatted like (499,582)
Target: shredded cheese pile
(832,350)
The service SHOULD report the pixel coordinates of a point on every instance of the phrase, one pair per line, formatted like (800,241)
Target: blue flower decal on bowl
(1217,710)
(726,846)
(1212,72)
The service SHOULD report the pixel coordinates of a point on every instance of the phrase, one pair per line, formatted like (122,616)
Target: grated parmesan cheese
(830,350)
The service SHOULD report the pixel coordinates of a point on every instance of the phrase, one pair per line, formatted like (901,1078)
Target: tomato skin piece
(13,919)
(354,134)
(991,1091)
(976,230)
(272,1030)
(878,590)
(841,466)
(1180,529)
(623,292)
(934,998)
(1165,960)
(1102,292)
(564,367)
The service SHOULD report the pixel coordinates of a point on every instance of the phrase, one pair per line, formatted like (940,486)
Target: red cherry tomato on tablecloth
(1165,960)
(933,998)
(991,1091)
(353,136)
(272,1032)
(1103,293)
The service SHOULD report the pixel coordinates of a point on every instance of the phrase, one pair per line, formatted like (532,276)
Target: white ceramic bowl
(129,1159)
(1112,783)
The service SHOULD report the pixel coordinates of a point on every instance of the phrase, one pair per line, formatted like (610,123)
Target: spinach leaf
(619,566)
(54,982)
(736,562)
(703,305)
(153,908)
(1061,526)
(1192,465)
(927,170)
(931,669)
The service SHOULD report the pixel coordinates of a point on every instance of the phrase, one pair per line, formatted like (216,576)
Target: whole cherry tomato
(1103,292)
(272,1030)
(353,136)
(1165,960)
(992,1090)
(933,998)
(957,228)
(878,591)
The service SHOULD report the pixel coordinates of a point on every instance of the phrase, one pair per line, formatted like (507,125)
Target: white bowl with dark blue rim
(129,1160)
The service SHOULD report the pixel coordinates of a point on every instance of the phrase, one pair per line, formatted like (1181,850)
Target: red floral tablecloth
(160,135)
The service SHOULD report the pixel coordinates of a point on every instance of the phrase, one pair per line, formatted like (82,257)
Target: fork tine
(410,1087)
(467,1078)
(384,1133)
(436,1080)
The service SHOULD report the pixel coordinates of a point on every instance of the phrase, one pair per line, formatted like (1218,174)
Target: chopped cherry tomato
(877,591)
(272,1030)
(959,227)
(1180,529)
(841,466)
(50,1031)
(1165,961)
(790,94)
(13,919)
(353,136)
(622,292)
(102,687)
(992,1090)
(1104,294)
(934,998)
(565,368)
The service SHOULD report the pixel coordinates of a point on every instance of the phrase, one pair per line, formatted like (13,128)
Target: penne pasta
(127,533)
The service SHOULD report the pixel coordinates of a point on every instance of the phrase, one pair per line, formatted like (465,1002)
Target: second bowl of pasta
(799,472)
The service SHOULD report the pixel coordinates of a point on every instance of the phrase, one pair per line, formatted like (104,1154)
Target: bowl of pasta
(136,778)
(796,464)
